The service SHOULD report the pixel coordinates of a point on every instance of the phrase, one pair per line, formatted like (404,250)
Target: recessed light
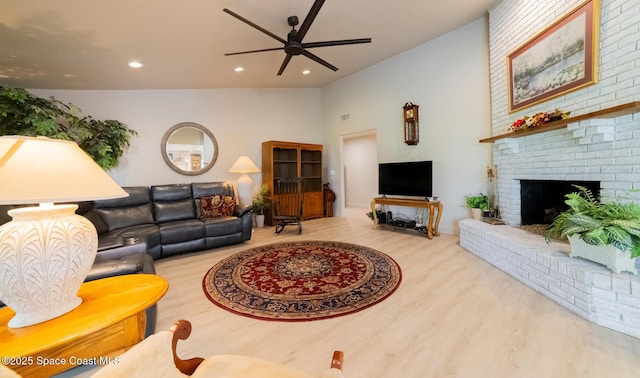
(135,64)
(238,69)
(306,72)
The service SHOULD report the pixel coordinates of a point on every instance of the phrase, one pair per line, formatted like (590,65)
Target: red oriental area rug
(302,280)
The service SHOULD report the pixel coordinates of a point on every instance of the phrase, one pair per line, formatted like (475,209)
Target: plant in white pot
(260,203)
(606,233)
(477,205)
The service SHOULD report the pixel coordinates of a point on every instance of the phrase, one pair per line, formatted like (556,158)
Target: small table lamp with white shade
(244,165)
(46,251)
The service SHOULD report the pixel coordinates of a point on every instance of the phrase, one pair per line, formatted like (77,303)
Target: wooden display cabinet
(291,159)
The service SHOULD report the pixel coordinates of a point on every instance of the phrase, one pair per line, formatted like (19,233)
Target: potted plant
(477,204)
(259,204)
(22,113)
(606,233)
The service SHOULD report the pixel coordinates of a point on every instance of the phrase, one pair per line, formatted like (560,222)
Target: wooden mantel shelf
(615,111)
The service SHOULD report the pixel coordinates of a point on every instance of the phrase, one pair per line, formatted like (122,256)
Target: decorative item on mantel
(411,124)
(605,233)
(538,119)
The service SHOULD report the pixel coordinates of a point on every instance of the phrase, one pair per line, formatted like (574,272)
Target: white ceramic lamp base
(45,255)
(245,189)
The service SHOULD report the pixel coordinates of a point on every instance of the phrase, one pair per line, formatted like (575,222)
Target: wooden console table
(109,321)
(434,207)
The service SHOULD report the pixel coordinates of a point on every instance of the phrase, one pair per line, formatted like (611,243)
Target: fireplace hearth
(542,200)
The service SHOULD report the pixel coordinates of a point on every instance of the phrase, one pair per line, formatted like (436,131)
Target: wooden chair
(287,208)
(156,356)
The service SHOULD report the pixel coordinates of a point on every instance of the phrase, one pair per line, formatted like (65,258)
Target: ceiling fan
(294,45)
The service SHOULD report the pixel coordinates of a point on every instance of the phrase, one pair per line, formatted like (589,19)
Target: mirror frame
(173,129)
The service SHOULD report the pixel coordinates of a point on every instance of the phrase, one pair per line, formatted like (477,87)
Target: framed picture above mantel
(561,58)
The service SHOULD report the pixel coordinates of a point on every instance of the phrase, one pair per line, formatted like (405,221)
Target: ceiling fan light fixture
(239,69)
(294,44)
(135,64)
(306,72)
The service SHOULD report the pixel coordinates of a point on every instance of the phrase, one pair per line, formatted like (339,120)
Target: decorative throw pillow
(217,206)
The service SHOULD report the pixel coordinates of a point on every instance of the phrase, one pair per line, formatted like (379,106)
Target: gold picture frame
(560,59)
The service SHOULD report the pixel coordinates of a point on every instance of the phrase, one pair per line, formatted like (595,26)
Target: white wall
(449,79)
(240,120)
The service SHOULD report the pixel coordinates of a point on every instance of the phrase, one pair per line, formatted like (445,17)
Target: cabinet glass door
(311,169)
(285,164)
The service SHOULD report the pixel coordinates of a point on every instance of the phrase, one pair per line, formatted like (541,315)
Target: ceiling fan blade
(319,60)
(286,61)
(254,51)
(306,24)
(265,31)
(336,43)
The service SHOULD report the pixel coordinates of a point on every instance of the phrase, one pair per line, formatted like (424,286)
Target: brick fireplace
(605,150)
(598,150)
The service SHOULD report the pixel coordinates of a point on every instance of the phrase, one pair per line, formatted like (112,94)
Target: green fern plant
(599,223)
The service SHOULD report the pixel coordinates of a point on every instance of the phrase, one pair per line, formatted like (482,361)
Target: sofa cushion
(173,211)
(181,231)
(222,226)
(97,221)
(121,217)
(152,357)
(138,195)
(217,206)
(170,192)
(204,189)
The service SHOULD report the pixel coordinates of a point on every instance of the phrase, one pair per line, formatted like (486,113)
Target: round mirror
(189,148)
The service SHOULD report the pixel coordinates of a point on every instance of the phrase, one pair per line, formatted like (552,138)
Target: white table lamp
(244,165)
(46,251)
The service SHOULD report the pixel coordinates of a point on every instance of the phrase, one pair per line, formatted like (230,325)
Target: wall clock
(411,126)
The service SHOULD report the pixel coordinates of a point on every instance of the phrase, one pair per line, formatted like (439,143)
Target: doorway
(359,171)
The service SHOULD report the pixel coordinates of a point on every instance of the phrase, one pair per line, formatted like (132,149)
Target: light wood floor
(453,315)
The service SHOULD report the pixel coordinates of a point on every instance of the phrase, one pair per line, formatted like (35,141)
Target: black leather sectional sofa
(168,219)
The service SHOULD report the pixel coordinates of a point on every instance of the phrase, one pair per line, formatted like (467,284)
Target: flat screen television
(412,178)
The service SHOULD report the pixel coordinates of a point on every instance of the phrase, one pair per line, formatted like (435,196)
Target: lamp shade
(244,165)
(39,169)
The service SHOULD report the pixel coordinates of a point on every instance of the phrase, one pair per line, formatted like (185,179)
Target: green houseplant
(477,204)
(22,113)
(595,223)
(260,203)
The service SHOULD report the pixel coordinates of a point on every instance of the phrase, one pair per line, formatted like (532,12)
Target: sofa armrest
(132,264)
(110,242)
(241,210)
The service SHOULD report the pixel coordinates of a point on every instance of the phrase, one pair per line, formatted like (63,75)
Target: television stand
(435,212)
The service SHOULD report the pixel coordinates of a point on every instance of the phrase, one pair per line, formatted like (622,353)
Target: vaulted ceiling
(80,44)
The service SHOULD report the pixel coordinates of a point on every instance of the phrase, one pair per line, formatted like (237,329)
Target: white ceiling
(86,44)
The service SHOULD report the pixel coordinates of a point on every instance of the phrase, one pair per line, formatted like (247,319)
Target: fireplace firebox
(542,200)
